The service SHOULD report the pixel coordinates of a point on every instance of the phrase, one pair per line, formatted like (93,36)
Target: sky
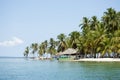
(23,22)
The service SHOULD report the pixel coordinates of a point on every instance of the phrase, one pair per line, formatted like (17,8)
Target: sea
(29,69)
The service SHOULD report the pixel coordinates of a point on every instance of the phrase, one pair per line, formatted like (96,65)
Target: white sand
(100,59)
(92,60)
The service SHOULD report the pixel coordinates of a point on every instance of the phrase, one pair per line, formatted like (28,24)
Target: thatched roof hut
(69,51)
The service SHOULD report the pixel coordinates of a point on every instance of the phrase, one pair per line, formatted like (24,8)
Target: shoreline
(79,60)
(95,60)
(88,60)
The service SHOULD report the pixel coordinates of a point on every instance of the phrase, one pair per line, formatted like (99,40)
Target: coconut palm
(97,32)
(92,37)
(45,45)
(41,49)
(110,20)
(62,44)
(85,25)
(68,42)
(74,37)
(26,52)
(52,47)
(97,36)
(106,47)
(82,46)
(115,42)
(94,23)
(34,47)
(118,17)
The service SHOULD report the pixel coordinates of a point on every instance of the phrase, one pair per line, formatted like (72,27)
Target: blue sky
(23,22)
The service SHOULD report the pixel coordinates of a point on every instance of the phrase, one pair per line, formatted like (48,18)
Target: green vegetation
(97,36)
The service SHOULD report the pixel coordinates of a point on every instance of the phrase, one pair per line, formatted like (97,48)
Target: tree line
(97,36)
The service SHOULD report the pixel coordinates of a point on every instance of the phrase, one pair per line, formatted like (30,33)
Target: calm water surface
(22,69)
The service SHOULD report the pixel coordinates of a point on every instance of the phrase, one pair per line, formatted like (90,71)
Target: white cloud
(15,41)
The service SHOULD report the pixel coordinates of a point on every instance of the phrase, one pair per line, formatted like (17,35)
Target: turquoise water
(22,69)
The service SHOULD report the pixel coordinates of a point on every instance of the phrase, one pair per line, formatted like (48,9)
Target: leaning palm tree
(26,52)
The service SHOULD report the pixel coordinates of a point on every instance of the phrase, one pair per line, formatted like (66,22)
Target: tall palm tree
(96,32)
(26,52)
(62,44)
(118,16)
(106,46)
(94,23)
(74,37)
(110,20)
(92,37)
(46,44)
(97,36)
(34,47)
(42,48)
(115,42)
(52,47)
(84,45)
(85,25)
(68,42)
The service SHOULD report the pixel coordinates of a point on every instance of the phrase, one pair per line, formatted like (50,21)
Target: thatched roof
(69,51)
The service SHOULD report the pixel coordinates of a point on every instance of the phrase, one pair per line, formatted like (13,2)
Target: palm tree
(74,37)
(90,40)
(97,36)
(34,47)
(46,44)
(85,25)
(42,48)
(115,42)
(62,44)
(110,20)
(26,52)
(106,47)
(68,42)
(94,23)
(83,43)
(52,47)
(118,17)
(82,46)
(96,32)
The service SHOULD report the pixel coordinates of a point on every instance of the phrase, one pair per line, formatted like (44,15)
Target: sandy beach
(99,59)
(95,60)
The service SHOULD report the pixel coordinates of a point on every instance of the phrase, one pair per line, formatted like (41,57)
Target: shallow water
(22,69)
